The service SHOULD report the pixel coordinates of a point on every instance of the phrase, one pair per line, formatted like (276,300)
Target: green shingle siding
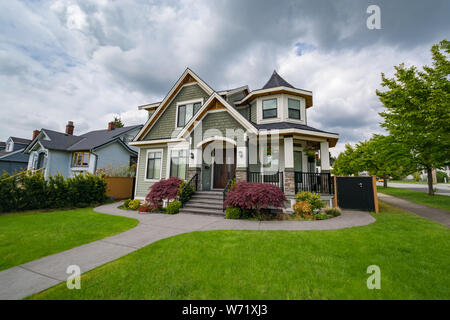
(142,187)
(220,121)
(165,125)
(253,112)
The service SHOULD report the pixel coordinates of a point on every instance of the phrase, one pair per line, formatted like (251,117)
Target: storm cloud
(89,60)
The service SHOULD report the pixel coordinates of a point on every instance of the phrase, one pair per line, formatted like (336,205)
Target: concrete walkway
(439,215)
(29,278)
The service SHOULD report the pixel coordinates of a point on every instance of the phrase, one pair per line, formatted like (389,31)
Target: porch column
(241,163)
(324,157)
(289,176)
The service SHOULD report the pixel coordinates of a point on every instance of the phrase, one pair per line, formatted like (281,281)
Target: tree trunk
(430,181)
(384,181)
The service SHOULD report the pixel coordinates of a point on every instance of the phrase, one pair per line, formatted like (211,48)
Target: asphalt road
(443,189)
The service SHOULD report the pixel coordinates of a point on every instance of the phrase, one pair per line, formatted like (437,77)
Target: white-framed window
(10,146)
(269,108)
(186,110)
(153,165)
(294,109)
(80,159)
(178,163)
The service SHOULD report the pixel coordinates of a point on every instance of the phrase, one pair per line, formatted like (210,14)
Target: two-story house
(12,158)
(212,137)
(68,154)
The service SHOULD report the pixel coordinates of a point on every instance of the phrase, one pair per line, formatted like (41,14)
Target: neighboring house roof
(58,141)
(20,140)
(277,81)
(98,138)
(88,141)
(2,144)
(287,125)
(14,156)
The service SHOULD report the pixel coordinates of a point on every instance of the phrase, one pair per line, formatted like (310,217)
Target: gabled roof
(187,77)
(14,156)
(95,139)
(88,141)
(277,81)
(220,103)
(20,140)
(58,140)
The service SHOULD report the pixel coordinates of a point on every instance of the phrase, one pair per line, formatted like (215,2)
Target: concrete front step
(207,197)
(197,204)
(195,210)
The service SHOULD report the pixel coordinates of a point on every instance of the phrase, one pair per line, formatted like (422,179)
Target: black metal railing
(226,189)
(313,182)
(275,179)
(193,182)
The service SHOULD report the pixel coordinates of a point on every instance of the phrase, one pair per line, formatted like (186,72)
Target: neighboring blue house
(12,158)
(68,154)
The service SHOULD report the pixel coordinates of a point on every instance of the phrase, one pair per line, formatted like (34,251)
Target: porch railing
(226,189)
(275,179)
(193,182)
(313,182)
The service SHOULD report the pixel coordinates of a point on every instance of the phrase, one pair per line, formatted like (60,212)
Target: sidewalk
(439,215)
(35,276)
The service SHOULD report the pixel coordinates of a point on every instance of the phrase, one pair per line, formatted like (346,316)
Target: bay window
(294,109)
(269,108)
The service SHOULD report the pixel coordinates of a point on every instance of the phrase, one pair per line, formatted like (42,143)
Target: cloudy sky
(89,60)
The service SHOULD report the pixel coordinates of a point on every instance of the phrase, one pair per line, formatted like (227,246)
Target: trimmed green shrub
(335,212)
(233,213)
(321,216)
(30,191)
(126,204)
(312,198)
(134,204)
(173,207)
(185,192)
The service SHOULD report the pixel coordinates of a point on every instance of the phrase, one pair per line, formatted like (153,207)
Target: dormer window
(269,108)
(10,146)
(186,112)
(294,109)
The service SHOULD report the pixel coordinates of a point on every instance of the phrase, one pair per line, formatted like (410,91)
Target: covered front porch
(294,164)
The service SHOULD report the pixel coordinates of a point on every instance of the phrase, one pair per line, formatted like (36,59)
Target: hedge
(30,191)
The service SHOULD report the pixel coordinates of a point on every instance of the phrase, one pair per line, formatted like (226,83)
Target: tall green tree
(346,163)
(418,112)
(118,122)
(383,156)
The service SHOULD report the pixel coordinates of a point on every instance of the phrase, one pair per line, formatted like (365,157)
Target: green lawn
(31,235)
(413,254)
(437,201)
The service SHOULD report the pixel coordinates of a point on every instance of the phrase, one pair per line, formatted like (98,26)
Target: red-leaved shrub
(256,196)
(163,189)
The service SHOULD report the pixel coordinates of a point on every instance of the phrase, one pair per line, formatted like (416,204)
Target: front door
(224,168)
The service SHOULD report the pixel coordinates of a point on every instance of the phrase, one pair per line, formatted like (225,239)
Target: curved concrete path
(32,277)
